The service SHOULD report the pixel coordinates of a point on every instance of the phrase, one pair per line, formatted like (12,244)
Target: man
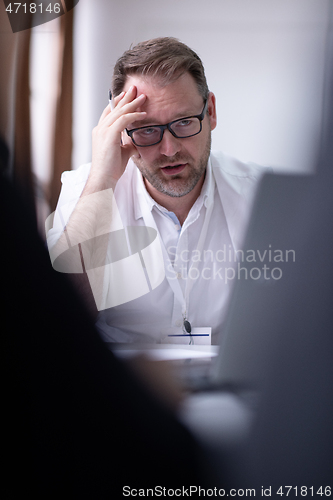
(153,151)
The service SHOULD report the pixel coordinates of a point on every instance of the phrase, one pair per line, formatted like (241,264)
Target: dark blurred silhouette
(77,421)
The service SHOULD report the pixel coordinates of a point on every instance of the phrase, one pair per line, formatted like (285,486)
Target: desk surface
(165,351)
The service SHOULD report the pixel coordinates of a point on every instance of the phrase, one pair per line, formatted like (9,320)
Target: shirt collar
(141,194)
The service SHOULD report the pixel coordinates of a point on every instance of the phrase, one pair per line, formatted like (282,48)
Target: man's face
(174,166)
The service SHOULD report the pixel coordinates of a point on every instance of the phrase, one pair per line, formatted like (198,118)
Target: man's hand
(82,248)
(109,154)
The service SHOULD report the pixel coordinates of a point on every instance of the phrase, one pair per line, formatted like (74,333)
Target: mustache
(177,159)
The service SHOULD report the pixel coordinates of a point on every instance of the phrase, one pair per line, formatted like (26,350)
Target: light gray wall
(264,61)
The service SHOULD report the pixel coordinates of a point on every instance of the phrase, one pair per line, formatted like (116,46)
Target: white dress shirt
(198,280)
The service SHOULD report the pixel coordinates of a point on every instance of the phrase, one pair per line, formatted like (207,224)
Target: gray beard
(172,188)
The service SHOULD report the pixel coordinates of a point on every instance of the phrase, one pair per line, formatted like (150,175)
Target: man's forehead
(168,102)
(143,83)
(156,87)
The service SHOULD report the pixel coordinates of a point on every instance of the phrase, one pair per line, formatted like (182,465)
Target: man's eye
(147,131)
(184,123)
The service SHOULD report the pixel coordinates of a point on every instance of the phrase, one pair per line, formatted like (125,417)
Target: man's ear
(212,110)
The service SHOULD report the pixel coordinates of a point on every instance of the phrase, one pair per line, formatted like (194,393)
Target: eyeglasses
(185,127)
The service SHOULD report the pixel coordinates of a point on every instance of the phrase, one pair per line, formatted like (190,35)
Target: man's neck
(180,206)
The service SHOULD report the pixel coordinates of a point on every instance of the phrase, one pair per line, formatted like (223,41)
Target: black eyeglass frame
(168,126)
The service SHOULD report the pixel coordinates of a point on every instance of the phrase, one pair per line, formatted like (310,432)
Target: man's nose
(169,145)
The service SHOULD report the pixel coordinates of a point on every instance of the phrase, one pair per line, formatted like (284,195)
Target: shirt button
(177,227)
(179,275)
(178,323)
